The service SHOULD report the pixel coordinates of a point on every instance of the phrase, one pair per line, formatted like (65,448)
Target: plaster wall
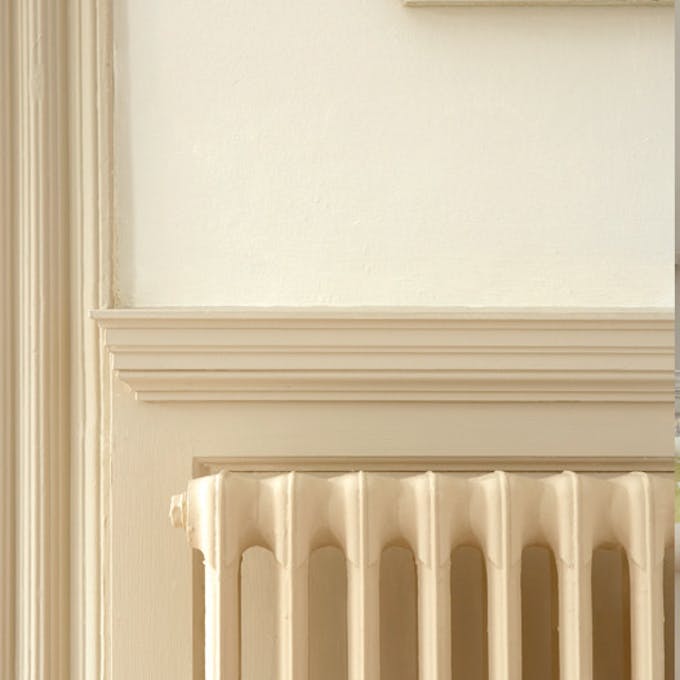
(368,153)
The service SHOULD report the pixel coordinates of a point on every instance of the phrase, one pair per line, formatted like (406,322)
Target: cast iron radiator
(361,513)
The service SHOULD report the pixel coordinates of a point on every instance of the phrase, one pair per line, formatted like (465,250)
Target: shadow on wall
(469,599)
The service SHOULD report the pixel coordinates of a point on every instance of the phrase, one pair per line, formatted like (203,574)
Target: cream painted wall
(364,153)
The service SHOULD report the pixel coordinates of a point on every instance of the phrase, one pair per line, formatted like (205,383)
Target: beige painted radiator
(431,514)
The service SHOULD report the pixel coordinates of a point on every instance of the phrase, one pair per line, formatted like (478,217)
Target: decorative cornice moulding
(538,3)
(392,354)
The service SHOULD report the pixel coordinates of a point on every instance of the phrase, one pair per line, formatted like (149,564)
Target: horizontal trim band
(472,464)
(392,355)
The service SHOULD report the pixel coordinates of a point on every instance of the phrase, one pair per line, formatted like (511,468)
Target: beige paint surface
(367,153)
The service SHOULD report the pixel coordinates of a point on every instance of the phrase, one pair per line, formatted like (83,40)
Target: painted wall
(364,153)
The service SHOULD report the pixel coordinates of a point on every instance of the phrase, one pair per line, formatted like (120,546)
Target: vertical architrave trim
(55,82)
(90,68)
(43,421)
(7,351)
(55,245)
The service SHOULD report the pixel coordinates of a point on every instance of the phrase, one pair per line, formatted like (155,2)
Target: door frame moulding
(41,351)
(7,352)
(90,120)
(55,226)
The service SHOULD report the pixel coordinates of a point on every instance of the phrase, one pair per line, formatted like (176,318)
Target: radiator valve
(178,505)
